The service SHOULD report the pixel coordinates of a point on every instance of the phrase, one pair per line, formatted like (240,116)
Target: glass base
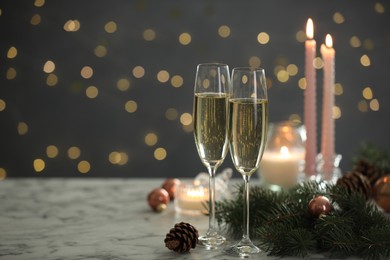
(211,242)
(243,249)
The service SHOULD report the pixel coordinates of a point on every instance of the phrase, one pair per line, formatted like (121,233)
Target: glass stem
(245,227)
(212,231)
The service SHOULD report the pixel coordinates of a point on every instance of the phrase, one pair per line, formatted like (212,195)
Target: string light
(135,79)
(118,158)
(171,114)
(149,35)
(338,18)
(83,166)
(11,73)
(365,60)
(123,84)
(263,38)
(177,81)
(39,165)
(138,72)
(163,76)
(224,31)
(49,66)
(110,27)
(86,72)
(355,42)
(2,105)
(254,62)
(160,154)
(51,80)
(151,139)
(22,128)
(72,25)
(12,52)
(92,92)
(74,152)
(3,174)
(100,51)
(131,106)
(51,151)
(39,3)
(35,19)
(185,38)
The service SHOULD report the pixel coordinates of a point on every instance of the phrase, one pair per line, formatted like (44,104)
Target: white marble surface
(89,219)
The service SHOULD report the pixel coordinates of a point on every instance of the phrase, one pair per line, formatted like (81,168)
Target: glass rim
(249,69)
(212,64)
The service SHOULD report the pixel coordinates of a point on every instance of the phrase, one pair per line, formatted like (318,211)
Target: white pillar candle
(328,128)
(281,168)
(310,110)
(191,199)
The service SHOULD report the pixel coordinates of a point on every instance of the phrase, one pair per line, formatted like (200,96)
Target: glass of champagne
(248,122)
(210,114)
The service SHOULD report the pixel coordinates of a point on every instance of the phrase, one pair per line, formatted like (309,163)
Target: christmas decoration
(373,162)
(221,182)
(158,199)
(182,237)
(355,181)
(170,185)
(284,226)
(381,192)
(319,206)
(369,170)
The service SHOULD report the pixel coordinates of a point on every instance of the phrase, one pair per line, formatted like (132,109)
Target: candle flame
(284,151)
(309,29)
(328,41)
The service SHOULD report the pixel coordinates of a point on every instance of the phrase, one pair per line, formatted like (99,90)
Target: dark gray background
(63,116)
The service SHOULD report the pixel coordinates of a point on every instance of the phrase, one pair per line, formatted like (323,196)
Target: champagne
(211,127)
(248,127)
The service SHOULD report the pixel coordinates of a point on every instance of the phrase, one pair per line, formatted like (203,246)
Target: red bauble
(320,205)
(170,186)
(158,199)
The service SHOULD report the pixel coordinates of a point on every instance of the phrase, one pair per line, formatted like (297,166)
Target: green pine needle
(282,224)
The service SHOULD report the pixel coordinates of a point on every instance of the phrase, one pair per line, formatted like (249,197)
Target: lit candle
(191,198)
(310,110)
(328,129)
(281,168)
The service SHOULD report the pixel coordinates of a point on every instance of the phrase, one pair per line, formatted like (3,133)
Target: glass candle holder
(283,160)
(191,198)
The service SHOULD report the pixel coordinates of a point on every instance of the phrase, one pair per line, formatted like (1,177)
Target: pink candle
(328,129)
(310,118)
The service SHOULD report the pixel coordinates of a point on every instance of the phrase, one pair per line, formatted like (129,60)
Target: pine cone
(369,170)
(356,182)
(182,237)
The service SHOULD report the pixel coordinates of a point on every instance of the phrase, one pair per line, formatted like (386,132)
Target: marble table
(89,219)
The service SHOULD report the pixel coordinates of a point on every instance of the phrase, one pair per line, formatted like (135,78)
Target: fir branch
(283,226)
(375,243)
(297,242)
(335,235)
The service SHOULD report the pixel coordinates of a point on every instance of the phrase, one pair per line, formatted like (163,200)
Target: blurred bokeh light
(104,88)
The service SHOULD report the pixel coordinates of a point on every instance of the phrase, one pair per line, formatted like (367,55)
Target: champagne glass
(248,121)
(210,113)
